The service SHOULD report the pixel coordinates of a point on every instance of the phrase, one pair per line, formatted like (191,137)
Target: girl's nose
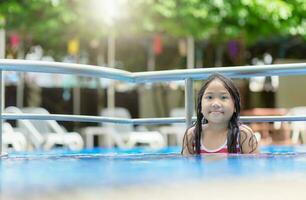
(216,104)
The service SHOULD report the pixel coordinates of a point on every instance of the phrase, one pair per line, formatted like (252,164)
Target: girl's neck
(217,128)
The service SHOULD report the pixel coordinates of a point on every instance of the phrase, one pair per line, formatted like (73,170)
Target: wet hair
(193,144)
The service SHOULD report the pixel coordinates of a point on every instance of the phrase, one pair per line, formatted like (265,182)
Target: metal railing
(189,75)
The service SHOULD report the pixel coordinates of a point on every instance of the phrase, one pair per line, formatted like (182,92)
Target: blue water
(59,170)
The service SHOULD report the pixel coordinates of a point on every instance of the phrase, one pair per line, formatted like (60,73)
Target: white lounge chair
(12,140)
(298,127)
(125,136)
(57,135)
(47,133)
(34,138)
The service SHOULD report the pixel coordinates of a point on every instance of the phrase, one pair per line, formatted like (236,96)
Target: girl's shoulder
(188,141)
(248,141)
(190,131)
(245,129)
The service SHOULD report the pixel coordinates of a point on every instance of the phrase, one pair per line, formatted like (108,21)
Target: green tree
(51,23)
(224,20)
(44,22)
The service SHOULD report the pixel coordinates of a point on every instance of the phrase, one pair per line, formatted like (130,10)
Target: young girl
(217,129)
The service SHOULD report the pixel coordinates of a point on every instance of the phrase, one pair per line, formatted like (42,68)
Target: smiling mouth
(216,112)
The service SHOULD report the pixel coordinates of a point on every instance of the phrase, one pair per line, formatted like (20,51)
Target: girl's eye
(208,97)
(224,97)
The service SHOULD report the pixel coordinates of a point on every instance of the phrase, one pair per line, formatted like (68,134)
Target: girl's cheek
(203,110)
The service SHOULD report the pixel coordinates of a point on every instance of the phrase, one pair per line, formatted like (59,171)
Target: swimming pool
(150,174)
(278,173)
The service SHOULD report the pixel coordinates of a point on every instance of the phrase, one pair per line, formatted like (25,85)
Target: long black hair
(233,126)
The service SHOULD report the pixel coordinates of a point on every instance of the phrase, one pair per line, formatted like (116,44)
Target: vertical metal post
(190,53)
(2,56)
(189,104)
(188,82)
(20,90)
(2,84)
(1,106)
(77,97)
(111,63)
(2,41)
(151,57)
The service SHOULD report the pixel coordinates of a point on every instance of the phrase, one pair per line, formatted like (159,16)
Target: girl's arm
(188,140)
(248,141)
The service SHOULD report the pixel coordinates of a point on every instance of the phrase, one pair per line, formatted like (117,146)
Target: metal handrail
(140,121)
(232,72)
(65,68)
(144,77)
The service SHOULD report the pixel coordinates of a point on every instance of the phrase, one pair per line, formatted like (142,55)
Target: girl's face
(217,103)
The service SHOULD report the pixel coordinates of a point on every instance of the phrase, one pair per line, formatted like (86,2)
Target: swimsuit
(221,149)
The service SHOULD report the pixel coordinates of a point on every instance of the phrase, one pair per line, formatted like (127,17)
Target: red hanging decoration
(157,44)
(14,40)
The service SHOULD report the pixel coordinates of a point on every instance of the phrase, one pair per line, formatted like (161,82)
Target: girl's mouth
(216,112)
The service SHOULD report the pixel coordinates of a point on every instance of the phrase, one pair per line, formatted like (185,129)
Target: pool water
(26,174)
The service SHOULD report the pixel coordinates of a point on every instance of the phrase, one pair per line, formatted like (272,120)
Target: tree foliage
(46,22)
(223,20)
(52,23)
